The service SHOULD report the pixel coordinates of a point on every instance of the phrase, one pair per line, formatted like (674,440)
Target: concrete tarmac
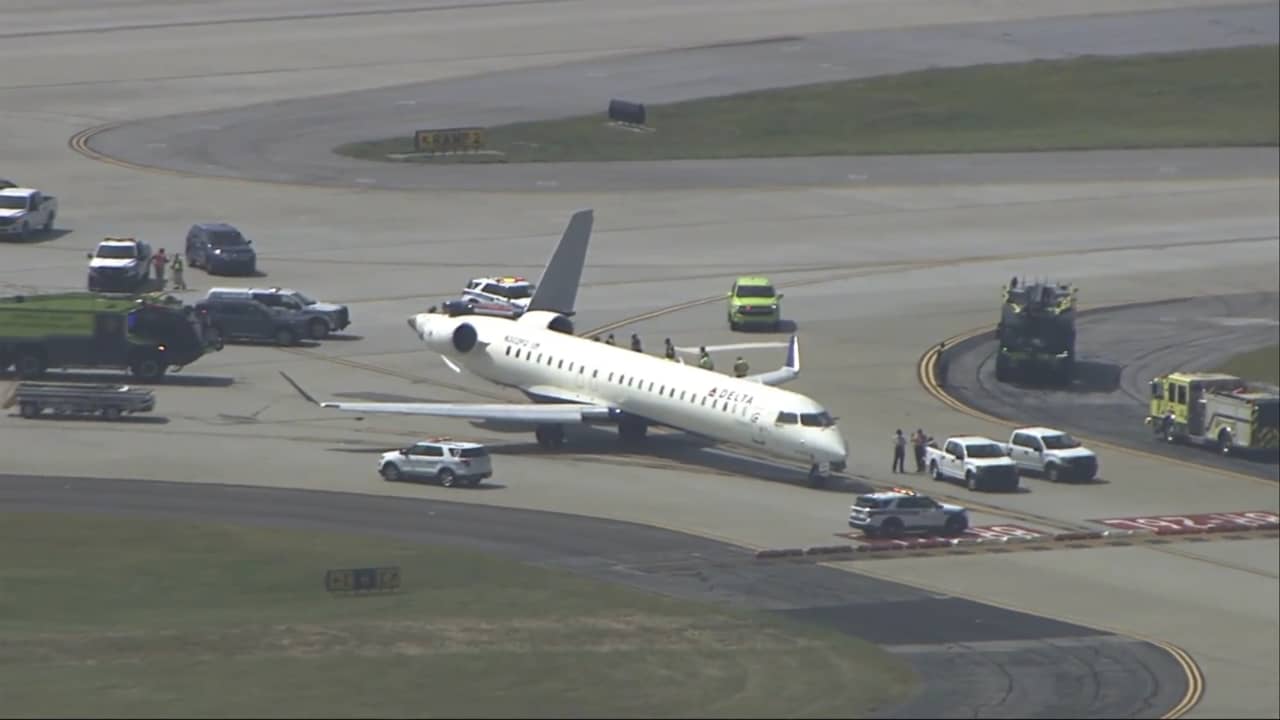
(874,274)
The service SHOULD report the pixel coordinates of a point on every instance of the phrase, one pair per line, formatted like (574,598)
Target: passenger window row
(632,382)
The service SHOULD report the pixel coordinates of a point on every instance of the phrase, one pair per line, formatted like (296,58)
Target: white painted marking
(547,183)
(1243,321)
(406,102)
(857,176)
(366,181)
(1168,169)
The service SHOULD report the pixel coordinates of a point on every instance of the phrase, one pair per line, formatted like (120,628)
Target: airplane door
(758,429)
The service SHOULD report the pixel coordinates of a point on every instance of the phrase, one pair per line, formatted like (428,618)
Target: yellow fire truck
(1215,409)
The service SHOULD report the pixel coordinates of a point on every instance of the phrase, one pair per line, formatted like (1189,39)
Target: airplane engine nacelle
(464,337)
(549,320)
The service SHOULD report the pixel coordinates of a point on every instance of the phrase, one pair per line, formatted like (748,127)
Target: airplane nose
(836,447)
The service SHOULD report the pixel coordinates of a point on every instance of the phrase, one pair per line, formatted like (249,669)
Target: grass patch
(1203,98)
(1261,365)
(104,616)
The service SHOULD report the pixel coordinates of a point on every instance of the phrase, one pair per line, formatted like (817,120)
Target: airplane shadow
(662,449)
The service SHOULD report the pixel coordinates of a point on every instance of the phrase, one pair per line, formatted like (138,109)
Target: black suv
(233,319)
(220,248)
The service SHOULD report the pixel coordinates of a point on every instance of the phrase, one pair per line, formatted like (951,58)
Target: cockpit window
(821,419)
(786,418)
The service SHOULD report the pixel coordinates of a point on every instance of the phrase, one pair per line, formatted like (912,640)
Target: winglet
(306,395)
(558,287)
(793,355)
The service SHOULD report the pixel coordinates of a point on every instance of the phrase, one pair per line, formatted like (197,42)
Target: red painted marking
(1197,521)
(980,532)
(997,532)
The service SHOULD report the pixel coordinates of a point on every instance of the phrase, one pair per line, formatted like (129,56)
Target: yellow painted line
(926,373)
(1195,677)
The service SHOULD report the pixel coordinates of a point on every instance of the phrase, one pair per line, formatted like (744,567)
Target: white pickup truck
(1051,453)
(25,210)
(981,463)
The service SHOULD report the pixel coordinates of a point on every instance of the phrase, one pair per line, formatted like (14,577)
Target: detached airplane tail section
(788,372)
(557,290)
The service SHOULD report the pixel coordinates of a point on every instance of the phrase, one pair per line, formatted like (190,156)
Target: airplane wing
(531,413)
(788,372)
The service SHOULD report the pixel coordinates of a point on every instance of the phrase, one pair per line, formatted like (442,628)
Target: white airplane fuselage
(560,367)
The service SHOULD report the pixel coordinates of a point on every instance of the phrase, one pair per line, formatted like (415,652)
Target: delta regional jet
(573,380)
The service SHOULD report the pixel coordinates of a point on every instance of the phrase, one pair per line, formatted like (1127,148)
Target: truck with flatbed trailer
(63,399)
(1218,410)
(146,335)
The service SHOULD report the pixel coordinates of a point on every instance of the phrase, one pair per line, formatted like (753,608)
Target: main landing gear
(632,429)
(549,437)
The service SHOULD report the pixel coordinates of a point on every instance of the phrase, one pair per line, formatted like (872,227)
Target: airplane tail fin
(558,287)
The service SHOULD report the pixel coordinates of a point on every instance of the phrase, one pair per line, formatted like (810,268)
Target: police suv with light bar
(903,510)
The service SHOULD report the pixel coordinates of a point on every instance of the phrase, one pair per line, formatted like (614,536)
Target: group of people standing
(160,261)
(740,366)
(919,441)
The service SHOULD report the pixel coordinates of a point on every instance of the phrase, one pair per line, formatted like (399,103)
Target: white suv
(451,463)
(904,510)
(512,291)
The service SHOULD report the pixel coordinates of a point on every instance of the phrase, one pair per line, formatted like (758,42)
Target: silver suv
(441,459)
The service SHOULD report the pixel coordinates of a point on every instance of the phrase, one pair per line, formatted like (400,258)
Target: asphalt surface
(292,141)
(1119,351)
(976,660)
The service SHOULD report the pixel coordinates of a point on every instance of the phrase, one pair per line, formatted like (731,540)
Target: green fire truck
(146,335)
(1037,332)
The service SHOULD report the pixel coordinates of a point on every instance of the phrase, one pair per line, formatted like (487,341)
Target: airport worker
(704,359)
(740,367)
(159,261)
(670,351)
(635,343)
(609,340)
(179,283)
(918,440)
(899,451)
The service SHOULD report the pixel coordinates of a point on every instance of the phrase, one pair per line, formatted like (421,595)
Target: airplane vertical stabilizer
(558,287)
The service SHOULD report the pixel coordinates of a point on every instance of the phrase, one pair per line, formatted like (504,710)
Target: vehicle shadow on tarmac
(785,327)
(122,420)
(343,337)
(1091,376)
(39,237)
(170,379)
